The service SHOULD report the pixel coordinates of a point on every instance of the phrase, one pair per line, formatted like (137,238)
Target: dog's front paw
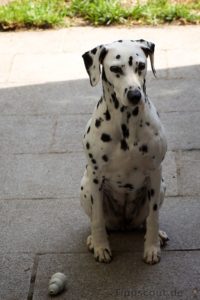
(102,253)
(151,254)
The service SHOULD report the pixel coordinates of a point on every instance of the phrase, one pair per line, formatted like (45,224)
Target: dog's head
(124,67)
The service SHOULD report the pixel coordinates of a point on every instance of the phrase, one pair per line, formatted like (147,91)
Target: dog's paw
(163,238)
(151,255)
(102,253)
(90,243)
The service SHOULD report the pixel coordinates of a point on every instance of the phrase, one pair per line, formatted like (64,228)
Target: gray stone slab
(55,175)
(170,174)
(15,275)
(61,226)
(77,96)
(170,95)
(62,133)
(189,172)
(41,176)
(179,217)
(41,134)
(40,226)
(127,277)
(182,130)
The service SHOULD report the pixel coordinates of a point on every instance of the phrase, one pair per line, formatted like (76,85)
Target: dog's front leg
(98,240)
(152,241)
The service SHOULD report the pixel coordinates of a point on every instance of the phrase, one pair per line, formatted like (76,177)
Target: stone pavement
(45,101)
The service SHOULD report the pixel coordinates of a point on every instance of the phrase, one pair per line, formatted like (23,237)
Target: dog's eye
(116,69)
(141,66)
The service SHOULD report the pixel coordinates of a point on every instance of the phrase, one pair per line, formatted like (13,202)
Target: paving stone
(26,42)
(41,134)
(40,226)
(61,226)
(126,277)
(61,133)
(171,95)
(77,96)
(41,176)
(15,275)
(184,59)
(53,175)
(170,174)
(182,130)
(6,64)
(189,172)
(49,67)
(70,97)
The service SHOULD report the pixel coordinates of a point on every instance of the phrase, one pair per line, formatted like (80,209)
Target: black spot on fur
(120,41)
(81,188)
(122,108)
(98,122)
(152,192)
(144,148)
(88,61)
(135,111)
(88,146)
(115,101)
(88,129)
(99,102)
(96,181)
(125,131)
(94,51)
(106,137)
(107,115)
(92,200)
(147,123)
(155,207)
(130,62)
(90,155)
(118,56)
(105,157)
(124,145)
(104,78)
(96,168)
(94,161)
(128,116)
(102,55)
(129,186)
(149,195)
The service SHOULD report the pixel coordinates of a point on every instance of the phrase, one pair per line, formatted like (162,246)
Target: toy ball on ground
(57,283)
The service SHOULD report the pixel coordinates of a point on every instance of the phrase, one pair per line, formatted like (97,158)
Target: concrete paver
(15,270)
(45,101)
(87,279)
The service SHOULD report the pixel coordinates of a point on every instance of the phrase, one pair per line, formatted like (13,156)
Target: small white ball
(57,283)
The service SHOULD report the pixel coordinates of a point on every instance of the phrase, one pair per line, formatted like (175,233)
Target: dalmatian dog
(125,144)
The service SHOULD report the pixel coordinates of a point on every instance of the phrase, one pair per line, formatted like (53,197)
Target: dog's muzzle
(134,96)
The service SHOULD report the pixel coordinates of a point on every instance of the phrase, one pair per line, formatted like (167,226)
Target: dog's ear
(92,60)
(148,48)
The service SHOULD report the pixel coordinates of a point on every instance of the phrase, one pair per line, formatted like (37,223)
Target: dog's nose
(134,96)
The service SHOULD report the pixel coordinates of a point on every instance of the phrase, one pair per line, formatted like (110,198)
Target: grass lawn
(53,13)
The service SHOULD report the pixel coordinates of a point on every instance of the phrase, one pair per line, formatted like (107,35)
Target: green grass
(52,13)
(30,13)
